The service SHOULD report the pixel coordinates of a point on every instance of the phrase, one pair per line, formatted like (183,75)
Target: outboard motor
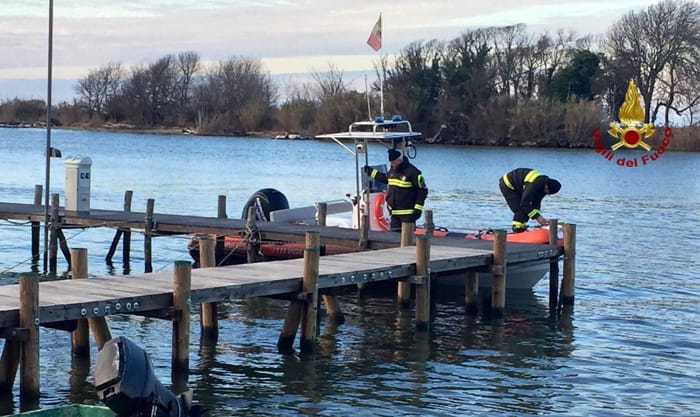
(126,383)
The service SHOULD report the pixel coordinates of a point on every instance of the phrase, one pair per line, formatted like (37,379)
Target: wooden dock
(79,303)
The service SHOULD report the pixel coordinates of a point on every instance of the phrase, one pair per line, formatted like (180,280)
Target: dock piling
(403,291)
(208,311)
(122,233)
(568,278)
(148,235)
(36,226)
(312,255)
(80,337)
(220,238)
(498,285)
(29,352)
(53,235)
(553,266)
(182,287)
(423,289)
(471,296)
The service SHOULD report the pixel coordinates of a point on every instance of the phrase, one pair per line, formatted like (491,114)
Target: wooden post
(147,236)
(126,240)
(423,289)
(498,286)
(403,293)
(36,226)
(553,266)
(472,293)
(285,342)
(208,319)
(335,313)
(253,239)
(63,244)
(182,280)
(569,273)
(428,225)
(98,325)
(9,362)
(220,248)
(53,236)
(321,213)
(29,352)
(309,287)
(122,231)
(80,337)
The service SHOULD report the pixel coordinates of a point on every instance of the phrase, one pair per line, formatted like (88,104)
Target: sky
(290,37)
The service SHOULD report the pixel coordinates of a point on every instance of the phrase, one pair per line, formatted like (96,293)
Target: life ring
(378,211)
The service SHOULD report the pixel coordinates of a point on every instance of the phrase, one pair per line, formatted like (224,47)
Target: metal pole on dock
(29,319)
(47,180)
(208,319)
(498,286)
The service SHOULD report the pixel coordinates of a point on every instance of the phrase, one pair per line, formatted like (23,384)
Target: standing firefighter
(406,192)
(524,189)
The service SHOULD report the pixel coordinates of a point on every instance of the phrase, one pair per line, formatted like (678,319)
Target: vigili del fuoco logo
(630,132)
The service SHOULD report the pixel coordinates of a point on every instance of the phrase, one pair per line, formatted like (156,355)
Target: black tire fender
(265,201)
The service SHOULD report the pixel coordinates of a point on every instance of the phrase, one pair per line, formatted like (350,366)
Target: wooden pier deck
(153,292)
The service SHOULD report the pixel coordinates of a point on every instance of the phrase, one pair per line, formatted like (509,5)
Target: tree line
(488,86)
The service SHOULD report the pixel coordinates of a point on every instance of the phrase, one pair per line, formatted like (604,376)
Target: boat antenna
(48,138)
(369,109)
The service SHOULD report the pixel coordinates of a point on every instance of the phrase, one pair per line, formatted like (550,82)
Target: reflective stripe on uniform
(519,225)
(533,213)
(401,212)
(506,181)
(530,177)
(396,182)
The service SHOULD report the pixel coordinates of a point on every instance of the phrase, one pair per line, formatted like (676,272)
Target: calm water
(629,348)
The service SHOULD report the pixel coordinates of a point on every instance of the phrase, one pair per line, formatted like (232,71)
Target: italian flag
(375,38)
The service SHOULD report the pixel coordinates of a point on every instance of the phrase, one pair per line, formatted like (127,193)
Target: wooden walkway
(140,294)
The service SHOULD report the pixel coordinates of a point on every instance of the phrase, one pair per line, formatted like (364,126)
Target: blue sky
(289,36)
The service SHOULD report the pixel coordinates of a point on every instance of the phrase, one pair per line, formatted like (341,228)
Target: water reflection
(377,359)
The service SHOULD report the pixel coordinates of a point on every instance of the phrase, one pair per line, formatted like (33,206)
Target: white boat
(366,206)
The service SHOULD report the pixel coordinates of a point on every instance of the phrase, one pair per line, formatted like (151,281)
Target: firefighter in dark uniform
(524,189)
(406,192)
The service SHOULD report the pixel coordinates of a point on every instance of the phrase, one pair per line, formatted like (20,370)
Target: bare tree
(329,83)
(188,65)
(99,87)
(654,43)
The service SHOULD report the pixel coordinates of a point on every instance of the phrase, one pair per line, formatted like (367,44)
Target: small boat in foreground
(73,410)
